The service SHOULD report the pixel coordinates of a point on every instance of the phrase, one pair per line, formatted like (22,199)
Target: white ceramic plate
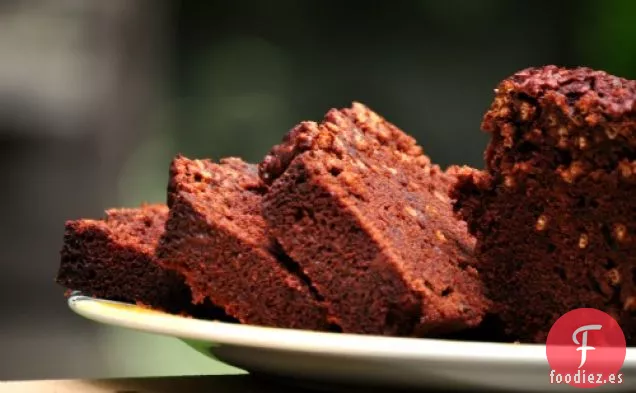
(351,359)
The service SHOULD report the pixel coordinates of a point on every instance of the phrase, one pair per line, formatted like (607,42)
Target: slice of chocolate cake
(554,212)
(217,239)
(114,259)
(366,215)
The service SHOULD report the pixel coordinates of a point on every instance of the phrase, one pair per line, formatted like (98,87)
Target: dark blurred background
(97,96)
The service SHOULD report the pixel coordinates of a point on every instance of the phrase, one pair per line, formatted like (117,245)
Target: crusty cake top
(578,96)
(351,131)
(140,228)
(227,193)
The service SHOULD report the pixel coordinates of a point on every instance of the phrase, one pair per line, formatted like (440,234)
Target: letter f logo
(583,344)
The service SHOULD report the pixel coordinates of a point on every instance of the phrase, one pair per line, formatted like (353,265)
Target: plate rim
(292,340)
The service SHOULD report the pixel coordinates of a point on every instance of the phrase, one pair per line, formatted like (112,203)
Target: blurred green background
(96,97)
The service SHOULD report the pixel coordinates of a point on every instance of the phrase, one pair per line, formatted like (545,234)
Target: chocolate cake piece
(554,212)
(367,216)
(217,239)
(114,259)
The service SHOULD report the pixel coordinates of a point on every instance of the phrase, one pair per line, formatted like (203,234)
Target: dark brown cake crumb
(554,213)
(217,239)
(367,216)
(114,259)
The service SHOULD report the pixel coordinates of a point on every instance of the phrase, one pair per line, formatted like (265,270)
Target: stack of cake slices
(344,226)
(347,226)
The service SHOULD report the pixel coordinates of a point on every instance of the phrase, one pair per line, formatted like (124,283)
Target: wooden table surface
(203,384)
(215,384)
